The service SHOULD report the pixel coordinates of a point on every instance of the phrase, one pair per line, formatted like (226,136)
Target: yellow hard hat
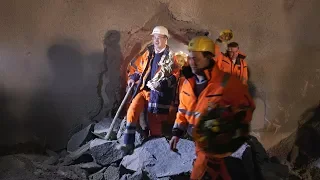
(227,35)
(201,43)
(181,58)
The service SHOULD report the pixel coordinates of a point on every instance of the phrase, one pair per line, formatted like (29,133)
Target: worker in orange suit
(215,109)
(181,59)
(157,96)
(233,61)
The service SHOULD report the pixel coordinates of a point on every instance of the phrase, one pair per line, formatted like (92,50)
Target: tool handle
(118,113)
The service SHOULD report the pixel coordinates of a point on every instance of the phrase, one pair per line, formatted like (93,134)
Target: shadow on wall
(133,55)
(7,122)
(109,87)
(131,58)
(251,85)
(54,108)
(68,100)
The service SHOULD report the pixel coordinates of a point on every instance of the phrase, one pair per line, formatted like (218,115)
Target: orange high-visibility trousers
(136,107)
(155,123)
(209,168)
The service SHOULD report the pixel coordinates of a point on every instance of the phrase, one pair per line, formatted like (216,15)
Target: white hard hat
(160,30)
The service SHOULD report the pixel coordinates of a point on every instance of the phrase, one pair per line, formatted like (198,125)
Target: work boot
(127,149)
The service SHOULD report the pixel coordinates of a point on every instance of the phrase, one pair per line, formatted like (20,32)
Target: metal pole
(118,112)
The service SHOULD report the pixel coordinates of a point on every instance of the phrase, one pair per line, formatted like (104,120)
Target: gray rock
(72,172)
(51,153)
(148,175)
(273,171)
(125,177)
(251,161)
(317,163)
(240,164)
(80,138)
(89,165)
(102,127)
(52,160)
(135,176)
(239,153)
(112,173)
(164,178)
(98,175)
(155,157)
(140,159)
(105,152)
(63,153)
(76,154)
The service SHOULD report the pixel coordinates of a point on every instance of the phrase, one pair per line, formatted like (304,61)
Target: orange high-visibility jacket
(221,87)
(161,101)
(141,66)
(239,68)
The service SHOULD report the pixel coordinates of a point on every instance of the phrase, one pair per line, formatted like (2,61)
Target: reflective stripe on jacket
(225,64)
(222,88)
(159,101)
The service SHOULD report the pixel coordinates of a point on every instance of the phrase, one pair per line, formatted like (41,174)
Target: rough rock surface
(155,156)
(31,167)
(152,160)
(102,127)
(80,138)
(301,149)
(135,176)
(105,152)
(112,173)
(98,175)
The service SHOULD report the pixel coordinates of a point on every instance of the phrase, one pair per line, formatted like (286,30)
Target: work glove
(130,82)
(155,86)
(173,143)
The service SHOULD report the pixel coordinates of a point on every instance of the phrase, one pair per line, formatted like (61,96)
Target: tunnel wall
(60,59)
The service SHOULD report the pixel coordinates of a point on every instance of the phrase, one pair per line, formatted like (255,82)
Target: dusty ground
(20,167)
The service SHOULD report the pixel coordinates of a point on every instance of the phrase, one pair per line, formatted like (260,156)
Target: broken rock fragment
(135,176)
(90,166)
(80,138)
(112,173)
(73,156)
(101,129)
(105,152)
(240,165)
(98,175)
(155,157)
(251,161)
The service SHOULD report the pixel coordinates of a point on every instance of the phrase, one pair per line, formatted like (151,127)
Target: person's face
(233,52)
(159,41)
(197,61)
